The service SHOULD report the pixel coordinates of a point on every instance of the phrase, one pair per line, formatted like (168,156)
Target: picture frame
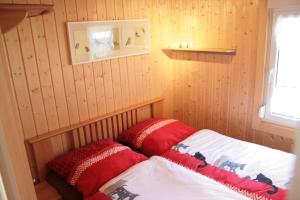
(91,41)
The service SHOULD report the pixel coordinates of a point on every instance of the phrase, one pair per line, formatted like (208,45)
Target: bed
(242,166)
(173,170)
(141,177)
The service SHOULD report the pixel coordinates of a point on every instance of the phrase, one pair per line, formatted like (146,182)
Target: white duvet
(158,178)
(243,158)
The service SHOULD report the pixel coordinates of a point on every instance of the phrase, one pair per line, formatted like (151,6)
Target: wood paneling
(216,91)
(13,163)
(203,90)
(51,93)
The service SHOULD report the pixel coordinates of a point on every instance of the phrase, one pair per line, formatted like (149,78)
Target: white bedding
(158,178)
(243,158)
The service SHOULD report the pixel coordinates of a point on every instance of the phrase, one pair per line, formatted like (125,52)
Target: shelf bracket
(13,14)
(10,19)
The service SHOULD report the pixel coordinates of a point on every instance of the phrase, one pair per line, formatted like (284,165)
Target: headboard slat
(115,127)
(87,132)
(94,132)
(124,121)
(110,128)
(129,122)
(133,117)
(75,138)
(136,116)
(104,129)
(120,123)
(81,136)
(110,125)
(99,130)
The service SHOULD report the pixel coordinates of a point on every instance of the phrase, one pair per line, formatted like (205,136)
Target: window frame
(272,68)
(258,125)
(2,189)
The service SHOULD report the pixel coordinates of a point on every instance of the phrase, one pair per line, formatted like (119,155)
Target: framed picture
(100,40)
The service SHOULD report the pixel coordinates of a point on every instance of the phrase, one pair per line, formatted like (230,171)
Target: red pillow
(90,167)
(156,136)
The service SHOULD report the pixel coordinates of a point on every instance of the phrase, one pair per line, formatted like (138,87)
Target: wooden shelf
(31,9)
(13,14)
(203,50)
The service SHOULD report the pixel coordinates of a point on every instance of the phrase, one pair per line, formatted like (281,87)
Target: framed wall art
(100,40)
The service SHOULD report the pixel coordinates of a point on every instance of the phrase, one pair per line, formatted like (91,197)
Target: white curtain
(286,91)
(287,31)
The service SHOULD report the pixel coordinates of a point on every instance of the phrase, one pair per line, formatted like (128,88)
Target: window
(283,88)
(2,191)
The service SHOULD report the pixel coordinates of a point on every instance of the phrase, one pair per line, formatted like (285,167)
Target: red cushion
(90,167)
(156,136)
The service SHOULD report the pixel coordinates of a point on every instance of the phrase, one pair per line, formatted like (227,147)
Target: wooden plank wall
(51,93)
(205,91)
(13,162)
(216,91)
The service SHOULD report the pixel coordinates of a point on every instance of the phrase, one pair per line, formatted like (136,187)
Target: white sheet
(158,178)
(217,148)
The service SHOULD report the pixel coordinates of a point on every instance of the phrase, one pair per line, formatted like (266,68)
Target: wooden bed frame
(44,148)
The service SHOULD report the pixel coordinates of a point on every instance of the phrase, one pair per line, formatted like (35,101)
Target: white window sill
(268,127)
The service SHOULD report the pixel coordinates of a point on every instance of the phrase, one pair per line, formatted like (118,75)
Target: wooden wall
(51,93)
(216,91)
(13,161)
(206,91)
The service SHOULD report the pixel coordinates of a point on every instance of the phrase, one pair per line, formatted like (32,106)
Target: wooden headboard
(43,148)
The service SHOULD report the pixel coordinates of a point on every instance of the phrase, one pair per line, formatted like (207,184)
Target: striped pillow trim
(151,129)
(93,160)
